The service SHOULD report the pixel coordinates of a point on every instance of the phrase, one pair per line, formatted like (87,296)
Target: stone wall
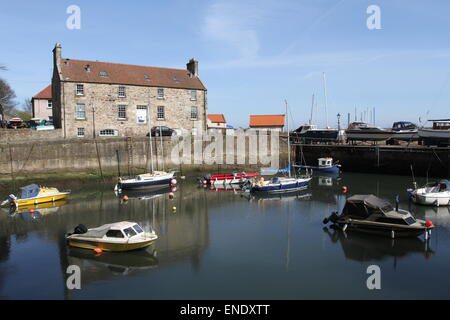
(86,155)
(104,99)
(18,135)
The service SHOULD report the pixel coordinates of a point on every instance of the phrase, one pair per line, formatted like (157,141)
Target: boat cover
(97,232)
(365,205)
(29,191)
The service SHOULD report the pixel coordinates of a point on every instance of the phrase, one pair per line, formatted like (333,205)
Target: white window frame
(81,132)
(196,113)
(121,92)
(49,104)
(193,95)
(124,112)
(158,112)
(158,95)
(79,89)
(108,133)
(77,111)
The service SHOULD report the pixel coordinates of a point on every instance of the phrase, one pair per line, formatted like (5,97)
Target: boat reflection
(99,267)
(36,212)
(146,194)
(364,248)
(288,196)
(439,215)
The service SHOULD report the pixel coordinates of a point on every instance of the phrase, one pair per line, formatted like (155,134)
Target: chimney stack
(57,56)
(192,67)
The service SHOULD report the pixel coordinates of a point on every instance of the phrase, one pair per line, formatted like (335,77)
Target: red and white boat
(230,178)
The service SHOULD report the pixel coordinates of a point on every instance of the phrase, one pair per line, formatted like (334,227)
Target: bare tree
(7,98)
(27,105)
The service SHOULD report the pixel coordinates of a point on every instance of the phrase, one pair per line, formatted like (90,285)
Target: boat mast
(162,149)
(312,108)
(326,99)
(150,140)
(289,140)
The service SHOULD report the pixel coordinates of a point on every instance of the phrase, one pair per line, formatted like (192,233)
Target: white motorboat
(433,194)
(406,131)
(119,236)
(361,131)
(438,135)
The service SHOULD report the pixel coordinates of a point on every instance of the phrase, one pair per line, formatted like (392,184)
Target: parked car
(162,130)
(16,123)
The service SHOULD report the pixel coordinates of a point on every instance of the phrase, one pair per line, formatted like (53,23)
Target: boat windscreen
(29,191)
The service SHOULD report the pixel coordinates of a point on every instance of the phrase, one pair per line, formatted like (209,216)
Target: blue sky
(253,54)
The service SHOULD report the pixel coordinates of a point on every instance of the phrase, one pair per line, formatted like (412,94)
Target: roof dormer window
(103,74)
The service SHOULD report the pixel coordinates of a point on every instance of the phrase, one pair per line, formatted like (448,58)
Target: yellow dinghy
(119,236)
(33,195)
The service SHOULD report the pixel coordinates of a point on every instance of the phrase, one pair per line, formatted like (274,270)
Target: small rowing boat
(227,179)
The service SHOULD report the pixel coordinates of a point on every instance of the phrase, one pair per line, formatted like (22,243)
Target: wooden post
(99,161)
(11,166)
(118,163)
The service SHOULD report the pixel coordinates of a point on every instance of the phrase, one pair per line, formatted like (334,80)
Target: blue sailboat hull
(281,188)
(144,184)
(332,169)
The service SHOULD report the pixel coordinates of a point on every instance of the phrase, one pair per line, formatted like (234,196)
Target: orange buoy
(98,250)
(125,197)
(171,195)
(31,210)
(344,189)
(428,223)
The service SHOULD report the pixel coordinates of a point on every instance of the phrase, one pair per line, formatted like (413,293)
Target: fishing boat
(362,131)
(146,180)
(325,165)
(370,214)
(119,236)
(227,179)
(33,194)
(279,184)
(405,131)
(432,194)
(438,135)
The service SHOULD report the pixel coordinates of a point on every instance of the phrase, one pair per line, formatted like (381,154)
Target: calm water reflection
(221,245)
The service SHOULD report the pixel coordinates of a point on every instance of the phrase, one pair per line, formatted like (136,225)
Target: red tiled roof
(44,94)
(75,71)
(276,120)
(217,118)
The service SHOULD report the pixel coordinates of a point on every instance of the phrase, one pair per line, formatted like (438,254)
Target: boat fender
(344,189)
(173,181)
(98,250)
(80,229)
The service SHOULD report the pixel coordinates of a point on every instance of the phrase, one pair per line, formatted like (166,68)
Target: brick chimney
(192,67)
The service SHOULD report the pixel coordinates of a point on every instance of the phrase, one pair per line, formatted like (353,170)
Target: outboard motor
(397,200)
(332,218)
(80,229)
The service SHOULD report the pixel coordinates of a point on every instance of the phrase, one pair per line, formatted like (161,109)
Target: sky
(253,55)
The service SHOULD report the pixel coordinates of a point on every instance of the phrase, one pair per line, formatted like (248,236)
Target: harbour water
(216,244)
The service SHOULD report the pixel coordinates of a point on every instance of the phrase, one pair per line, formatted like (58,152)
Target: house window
(80,90)
(160,113)
(194,131)
(103,74)
(122,112)
(49,104)
(80,132)
(141,114)
(160,93)
(194,113)
(109,133)
(121,92)
(80,111)
(193,95)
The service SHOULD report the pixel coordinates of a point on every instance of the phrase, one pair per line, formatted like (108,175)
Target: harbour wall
(425,161)
(131,155)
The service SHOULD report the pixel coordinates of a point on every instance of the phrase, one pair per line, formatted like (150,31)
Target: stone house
(92,98)
(42,104)
(216,123)
(267,122)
